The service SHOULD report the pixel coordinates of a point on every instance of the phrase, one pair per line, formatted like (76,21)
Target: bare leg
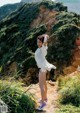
(42,85)
(45,85)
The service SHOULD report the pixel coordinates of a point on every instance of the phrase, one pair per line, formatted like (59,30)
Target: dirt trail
(52,97)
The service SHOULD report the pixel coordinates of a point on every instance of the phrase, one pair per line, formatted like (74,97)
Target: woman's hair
(41,37)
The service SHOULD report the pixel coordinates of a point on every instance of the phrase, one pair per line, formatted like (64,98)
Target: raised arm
(45,43)
(44,47)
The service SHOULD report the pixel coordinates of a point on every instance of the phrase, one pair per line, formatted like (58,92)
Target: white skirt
(48,67)
(41,61)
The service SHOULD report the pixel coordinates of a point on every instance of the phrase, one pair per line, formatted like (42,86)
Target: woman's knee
(42,88)
(41,84)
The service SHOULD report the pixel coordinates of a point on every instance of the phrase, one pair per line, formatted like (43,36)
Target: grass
(68,109)
(69,90)
(16,98)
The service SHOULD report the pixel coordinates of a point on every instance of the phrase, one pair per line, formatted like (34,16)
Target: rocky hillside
(18,33)
(7,9)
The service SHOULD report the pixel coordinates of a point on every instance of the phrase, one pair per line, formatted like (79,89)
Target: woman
(43,65)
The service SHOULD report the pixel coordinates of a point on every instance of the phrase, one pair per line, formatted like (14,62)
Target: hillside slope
(18,33)
(7,9)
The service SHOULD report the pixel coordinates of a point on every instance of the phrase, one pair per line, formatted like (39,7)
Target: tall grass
(69,89)
(17,100)
(68,109)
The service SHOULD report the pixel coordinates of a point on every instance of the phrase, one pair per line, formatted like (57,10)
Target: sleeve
(44,50)
(45,39)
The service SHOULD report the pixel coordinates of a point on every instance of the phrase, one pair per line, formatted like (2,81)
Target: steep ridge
(18,33)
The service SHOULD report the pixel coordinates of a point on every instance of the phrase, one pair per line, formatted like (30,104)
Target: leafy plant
(70,90)
(17,100)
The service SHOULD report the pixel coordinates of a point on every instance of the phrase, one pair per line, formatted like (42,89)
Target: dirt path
(52,97)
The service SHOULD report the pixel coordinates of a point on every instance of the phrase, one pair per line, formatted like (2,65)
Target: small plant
(70,90)
(68,109)
(17,100)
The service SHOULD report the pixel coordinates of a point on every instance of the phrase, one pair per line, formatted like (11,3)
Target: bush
(63,35)
(17,100)
(68,109)
(70,90)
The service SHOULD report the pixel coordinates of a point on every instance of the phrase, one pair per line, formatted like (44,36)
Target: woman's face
(39,43)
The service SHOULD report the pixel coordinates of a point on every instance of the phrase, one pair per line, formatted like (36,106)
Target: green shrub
(17,100)
(68,109)
(64,33)
(18,38)
(70,90)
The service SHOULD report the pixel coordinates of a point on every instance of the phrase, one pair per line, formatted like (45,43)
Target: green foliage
(17,100)
(26,46)
(65,31)
(7,9)
(68,109)
(52,5)
(18,39)
(70,90)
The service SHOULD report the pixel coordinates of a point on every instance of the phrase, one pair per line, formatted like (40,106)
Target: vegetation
(68,109)
(16,98)
(69,90)
(17,38)
(65,31)
(7,9)
(18,44)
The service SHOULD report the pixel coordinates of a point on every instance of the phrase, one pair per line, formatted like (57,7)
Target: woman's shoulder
(37,50)
(44,50)
(44,47)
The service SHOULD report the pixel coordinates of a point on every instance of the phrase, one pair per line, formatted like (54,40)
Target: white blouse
(40,59)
